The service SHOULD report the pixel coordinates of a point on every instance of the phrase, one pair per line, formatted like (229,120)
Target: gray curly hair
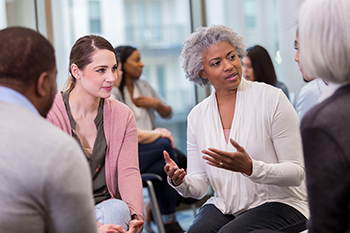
(202,39)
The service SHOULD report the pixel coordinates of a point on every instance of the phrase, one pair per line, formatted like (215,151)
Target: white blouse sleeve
(196,184)
(286,139)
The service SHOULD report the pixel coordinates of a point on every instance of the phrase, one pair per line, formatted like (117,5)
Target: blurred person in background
(311,92)
(258,66)
(151,141)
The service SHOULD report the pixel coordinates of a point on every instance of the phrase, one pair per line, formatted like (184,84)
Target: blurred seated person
(139,95)
(258,66)
(243,141)
(311,92)
(151,144)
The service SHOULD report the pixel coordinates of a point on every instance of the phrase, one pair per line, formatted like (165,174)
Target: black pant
(274,216)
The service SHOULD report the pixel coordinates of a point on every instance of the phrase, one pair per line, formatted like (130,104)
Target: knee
(195,228)
(119,206)
(112,207)
(165,144)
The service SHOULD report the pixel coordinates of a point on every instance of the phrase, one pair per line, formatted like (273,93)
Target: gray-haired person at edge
(325,128)
(258,66)
(243,141)
(311,92)
(106,131)
(45,179)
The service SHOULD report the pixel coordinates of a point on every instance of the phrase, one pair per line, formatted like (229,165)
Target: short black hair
(24,55)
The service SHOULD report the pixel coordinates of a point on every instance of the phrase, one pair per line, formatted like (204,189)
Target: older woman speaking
(243,140)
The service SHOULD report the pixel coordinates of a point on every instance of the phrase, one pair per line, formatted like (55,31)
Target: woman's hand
(111,228)
(136,226)
(146,102)
(238,161)
(166,134)
(172,170)
(163,109)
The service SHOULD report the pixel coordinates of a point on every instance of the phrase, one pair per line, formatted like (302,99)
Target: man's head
(28,65)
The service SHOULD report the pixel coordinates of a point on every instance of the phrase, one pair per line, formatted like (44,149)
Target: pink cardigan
(122,149)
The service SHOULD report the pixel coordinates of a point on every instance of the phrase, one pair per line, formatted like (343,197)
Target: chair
(147,179)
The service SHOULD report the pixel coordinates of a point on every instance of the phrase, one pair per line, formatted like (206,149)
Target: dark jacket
(325,133)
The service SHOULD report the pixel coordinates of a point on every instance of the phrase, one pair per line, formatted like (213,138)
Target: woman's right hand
(166,134)
(172,170)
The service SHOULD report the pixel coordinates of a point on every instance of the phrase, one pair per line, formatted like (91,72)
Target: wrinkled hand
(166,134)
(111,228)
(238,161)
(146,102)
(172,170)
(136,226)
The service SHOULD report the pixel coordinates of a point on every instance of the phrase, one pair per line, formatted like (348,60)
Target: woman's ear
(75,71)
(202,74)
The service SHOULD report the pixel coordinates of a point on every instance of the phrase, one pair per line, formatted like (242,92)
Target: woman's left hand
(136,226)
(238,161)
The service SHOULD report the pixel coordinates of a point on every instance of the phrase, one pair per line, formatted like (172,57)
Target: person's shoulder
(280,84)
(263,89)
(333,109)
(116,94)
(116,108)
(143,83)
(201,106)
(116,104)
(317,86)
(57,104)
(35,131)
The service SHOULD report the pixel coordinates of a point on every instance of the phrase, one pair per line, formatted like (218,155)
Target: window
(250,13)
(95,17)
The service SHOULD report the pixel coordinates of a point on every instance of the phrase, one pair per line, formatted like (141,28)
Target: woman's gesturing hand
(238,161)
(172,170)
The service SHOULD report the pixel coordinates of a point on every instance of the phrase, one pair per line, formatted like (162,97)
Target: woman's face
(133,65)
(248,71)
(98,77)
(296,58)
(119,74)
(222,66)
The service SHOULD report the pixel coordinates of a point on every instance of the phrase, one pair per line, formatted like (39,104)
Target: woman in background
(151,144)
(106,131)
(258,66)
(311,92)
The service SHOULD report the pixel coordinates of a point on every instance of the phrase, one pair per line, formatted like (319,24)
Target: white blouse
(267,126)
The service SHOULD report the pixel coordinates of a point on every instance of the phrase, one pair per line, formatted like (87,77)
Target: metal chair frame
(147,179)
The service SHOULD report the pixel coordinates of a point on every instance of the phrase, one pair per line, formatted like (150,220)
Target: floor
(184,214)
(184,217)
